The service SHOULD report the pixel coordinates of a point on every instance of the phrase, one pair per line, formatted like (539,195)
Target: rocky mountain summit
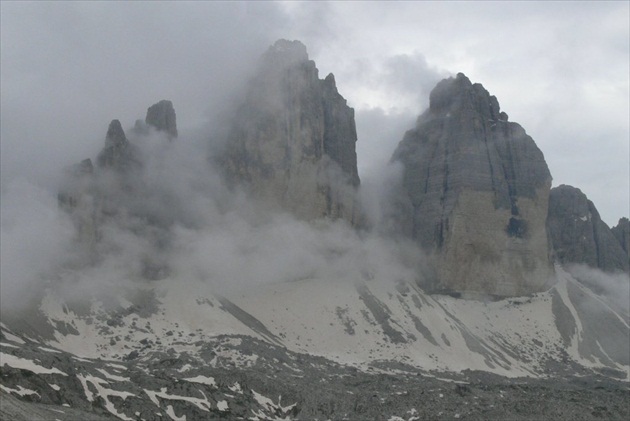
(579,235)
(115,191)
(292,143)
(476,189)
(117,154)
(162,117)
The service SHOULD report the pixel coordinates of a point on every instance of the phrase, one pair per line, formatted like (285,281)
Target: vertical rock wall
(292,143)
(477,188)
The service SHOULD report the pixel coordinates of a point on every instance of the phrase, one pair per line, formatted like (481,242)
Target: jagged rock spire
(118,153)
(579,235)
(162,116)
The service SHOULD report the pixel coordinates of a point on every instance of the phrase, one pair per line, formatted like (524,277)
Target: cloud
(62,80)
(35,240)
(614,287)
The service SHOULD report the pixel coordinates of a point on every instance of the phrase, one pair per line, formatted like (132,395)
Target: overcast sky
(560,69)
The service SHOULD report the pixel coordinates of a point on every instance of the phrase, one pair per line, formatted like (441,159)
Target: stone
(292,143)
(162,117)
(578,234)
(475,192)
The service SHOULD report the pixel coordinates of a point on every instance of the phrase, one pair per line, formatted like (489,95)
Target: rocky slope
(579,235)
(373,350)
(293,139)
(476,190)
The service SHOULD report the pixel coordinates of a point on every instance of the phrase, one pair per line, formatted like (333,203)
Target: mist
(174,220)
(614,287)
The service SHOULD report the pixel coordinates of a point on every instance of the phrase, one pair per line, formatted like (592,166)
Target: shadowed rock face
(579,235)
(292,143)
(118,154)
(162,117)
(476,190)
(621,231)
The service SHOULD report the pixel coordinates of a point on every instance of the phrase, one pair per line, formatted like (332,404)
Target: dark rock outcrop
(293,140)
(118,154)
(579,235)
(162,116)
(476,189)
(621,231)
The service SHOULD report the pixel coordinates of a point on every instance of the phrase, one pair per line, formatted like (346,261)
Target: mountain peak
(289,48)
(297,148)
(284,54)
(459,94)
(162,116)
(578,234)
(115,135)
(477,189)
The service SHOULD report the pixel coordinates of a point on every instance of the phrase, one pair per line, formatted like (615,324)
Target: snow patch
(202,404)
(22,391)
(203,380)
(11,337)
(104,393)
(21,363)
(49,350)
(171,413)
(113,376)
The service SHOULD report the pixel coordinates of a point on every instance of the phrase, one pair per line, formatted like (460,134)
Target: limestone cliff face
(477,188)
(293,141)
(579,235)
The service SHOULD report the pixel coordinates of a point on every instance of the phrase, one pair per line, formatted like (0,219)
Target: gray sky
(560,69)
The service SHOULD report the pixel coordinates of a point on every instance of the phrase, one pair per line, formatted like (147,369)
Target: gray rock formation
(118,154)
(621,231)
(162,116)
(476,190)
(293,141)
(579,235)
